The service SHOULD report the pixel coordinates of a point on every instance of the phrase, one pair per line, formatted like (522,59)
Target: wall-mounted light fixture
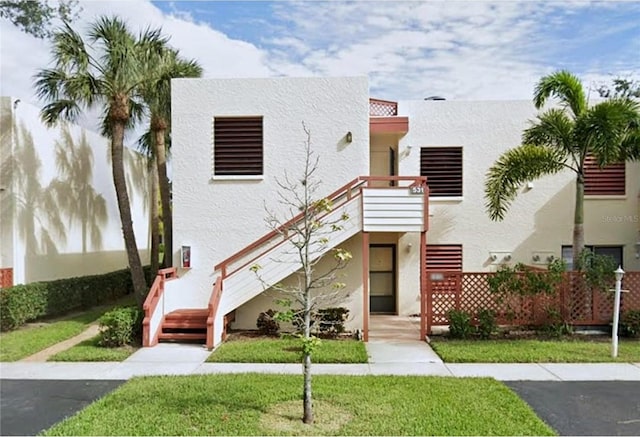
(185,257)
(409,246)
(638,249)
(349,137)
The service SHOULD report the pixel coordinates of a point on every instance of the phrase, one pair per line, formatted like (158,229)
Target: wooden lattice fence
(572,300)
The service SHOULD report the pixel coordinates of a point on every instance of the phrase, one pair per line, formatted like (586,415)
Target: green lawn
(89,350)
(26,341)
(258,404)
(287,350)
(534,351)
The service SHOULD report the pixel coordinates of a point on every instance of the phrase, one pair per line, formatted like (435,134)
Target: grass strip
(258,404)
(287,350)
(534,351)
(35,337)
(89,350)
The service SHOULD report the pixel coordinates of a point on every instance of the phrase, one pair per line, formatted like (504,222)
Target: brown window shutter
(443,168)
(444,257)
(606,181)
(238,146)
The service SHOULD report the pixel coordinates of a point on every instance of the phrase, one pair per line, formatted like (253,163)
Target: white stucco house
(58,211)
(233,137)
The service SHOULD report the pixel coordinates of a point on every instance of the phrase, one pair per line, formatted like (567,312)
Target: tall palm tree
(164,64)
(559,140)
(108,75)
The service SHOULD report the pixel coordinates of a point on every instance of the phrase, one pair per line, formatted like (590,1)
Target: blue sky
(409,50)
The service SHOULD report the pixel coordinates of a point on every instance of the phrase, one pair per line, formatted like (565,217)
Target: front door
(382,278)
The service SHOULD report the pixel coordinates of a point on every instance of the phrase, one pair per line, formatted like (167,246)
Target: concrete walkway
(180,359)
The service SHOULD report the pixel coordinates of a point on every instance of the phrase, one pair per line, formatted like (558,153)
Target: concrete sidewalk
(385,358)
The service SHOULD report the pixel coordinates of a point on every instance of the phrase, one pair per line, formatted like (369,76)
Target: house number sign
(416,190)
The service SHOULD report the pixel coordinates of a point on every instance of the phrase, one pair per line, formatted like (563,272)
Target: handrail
(276,232)
(345,189)
(152,300)
(214,302)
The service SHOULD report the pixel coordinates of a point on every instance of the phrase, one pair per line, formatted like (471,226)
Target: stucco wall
(540,219)
(350,297)
(219,217)
(65,223)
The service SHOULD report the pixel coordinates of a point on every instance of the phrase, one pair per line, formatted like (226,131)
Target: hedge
(24,303)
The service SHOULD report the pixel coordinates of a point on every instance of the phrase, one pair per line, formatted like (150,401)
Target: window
(614,252)
(444,257)
(237,146)
(443,168)
(606,181)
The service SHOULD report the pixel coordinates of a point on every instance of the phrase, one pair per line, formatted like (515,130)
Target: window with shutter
(444,257)
(606,181)
(443,168)
(237,146)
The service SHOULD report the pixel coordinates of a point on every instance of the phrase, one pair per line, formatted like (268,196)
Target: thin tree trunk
(578,224)
(155,222)
(124,207)
(307,401)
(165,197)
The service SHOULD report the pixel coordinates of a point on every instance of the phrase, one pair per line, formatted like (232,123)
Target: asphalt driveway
(28,407)
(585,408)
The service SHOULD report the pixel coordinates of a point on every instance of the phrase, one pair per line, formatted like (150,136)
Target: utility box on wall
(185,257)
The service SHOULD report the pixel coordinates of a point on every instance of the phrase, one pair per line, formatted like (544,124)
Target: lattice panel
(382,108)
(573,300)
(631,300)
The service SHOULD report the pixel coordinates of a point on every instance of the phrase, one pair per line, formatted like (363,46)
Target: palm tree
(164,64)
(107,75)
(559,140)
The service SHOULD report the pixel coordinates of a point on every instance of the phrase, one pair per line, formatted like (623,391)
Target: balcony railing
(382,108)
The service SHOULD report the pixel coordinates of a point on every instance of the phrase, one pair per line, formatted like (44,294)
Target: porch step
(189,324)
(182,336)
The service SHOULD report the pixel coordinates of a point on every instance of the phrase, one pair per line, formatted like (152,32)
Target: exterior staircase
(184,325)
(402,208)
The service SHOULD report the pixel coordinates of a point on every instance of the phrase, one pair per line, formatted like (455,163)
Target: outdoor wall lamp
(638,249)
(185,257)
(349,137)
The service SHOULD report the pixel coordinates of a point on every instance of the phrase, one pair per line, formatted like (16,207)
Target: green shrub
(459,324)
(267,323)
(120,326)
(555,326)
(24,303)
(630,324)
(486,323)
(331,321)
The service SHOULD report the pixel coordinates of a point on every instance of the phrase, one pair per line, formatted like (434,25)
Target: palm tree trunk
(578,223)
(124,207)
(155,223)
(165,197)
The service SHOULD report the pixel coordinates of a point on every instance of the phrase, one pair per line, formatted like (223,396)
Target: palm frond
(514,168)
(566,87)
(61,109)
(608,129)
(553,128)
(69,50)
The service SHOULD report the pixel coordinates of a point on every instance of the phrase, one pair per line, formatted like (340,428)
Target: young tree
(108,75)
(308,238)
(560,140)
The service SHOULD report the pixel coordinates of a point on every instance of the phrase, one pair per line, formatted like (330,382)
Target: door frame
(394,263)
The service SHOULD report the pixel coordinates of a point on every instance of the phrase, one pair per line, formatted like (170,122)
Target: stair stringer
(243,285)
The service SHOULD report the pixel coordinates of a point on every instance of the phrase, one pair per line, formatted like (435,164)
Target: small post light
(616,312)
